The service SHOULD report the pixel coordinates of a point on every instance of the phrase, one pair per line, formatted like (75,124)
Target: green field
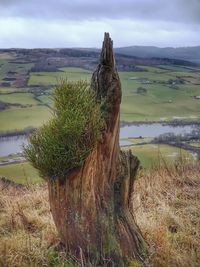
(6,66)
(161,100)
(46,99)
(21,173)
(52,78)
(8,90)
(19,98)
(20,118)
(153,155)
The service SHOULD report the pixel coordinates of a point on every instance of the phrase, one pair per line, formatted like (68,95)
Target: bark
(92,207)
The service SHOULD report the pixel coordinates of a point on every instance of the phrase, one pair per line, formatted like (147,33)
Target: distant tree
(141,90)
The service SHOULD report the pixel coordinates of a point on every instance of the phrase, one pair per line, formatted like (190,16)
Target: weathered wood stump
(92,207)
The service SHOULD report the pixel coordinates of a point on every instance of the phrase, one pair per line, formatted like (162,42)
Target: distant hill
(183,53)
(87,58)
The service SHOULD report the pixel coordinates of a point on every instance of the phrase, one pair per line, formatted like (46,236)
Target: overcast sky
(82,23)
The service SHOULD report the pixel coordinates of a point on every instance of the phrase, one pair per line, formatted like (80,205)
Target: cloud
(176,10)
(39,33)
(63,23)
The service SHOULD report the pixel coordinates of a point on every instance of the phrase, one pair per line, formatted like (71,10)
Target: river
(12,145)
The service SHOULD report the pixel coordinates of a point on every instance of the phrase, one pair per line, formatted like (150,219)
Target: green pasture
(153,154)
(149,108)
(5,90)
(51,78)
(6,66)
(20,118)
(19,98)
(75,70)
(160,102)
(46,99)
(21,173)
(149,75)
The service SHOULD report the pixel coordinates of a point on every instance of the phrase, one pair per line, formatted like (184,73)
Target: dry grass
(27,231)
(167,209)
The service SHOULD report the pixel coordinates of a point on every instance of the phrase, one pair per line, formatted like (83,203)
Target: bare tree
(92,204)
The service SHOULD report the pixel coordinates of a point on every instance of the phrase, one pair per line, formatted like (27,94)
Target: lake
(153,130)
(12,145)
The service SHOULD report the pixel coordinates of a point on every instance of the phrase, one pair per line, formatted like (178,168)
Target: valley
(153,91)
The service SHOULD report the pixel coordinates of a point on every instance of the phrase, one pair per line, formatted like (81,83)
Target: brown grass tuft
(26,226)
(167,209)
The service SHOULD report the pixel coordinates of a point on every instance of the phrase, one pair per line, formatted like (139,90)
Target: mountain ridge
(191,53)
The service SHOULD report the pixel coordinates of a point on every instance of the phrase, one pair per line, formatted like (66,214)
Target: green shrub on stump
(64,142)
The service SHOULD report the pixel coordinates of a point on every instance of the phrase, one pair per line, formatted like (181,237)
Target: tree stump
(92,206)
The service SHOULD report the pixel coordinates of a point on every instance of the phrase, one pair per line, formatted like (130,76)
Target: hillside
(182,53)
(52,59)
(166,205)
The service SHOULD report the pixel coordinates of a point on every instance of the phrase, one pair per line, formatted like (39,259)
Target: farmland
(156,94)
(52,78)
(150,93)
(162,100)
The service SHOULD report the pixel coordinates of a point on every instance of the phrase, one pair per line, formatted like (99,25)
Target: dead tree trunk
(92,207)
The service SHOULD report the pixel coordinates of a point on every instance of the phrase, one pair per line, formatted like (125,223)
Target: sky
(82,23)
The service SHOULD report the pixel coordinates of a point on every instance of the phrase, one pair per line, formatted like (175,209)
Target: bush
(63,143)
(141,90)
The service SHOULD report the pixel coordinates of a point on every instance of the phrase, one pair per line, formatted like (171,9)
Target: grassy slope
(166,206)
(21,173)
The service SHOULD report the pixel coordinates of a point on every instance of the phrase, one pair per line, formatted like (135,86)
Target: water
(11,145)
(125,143)
(153,130)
